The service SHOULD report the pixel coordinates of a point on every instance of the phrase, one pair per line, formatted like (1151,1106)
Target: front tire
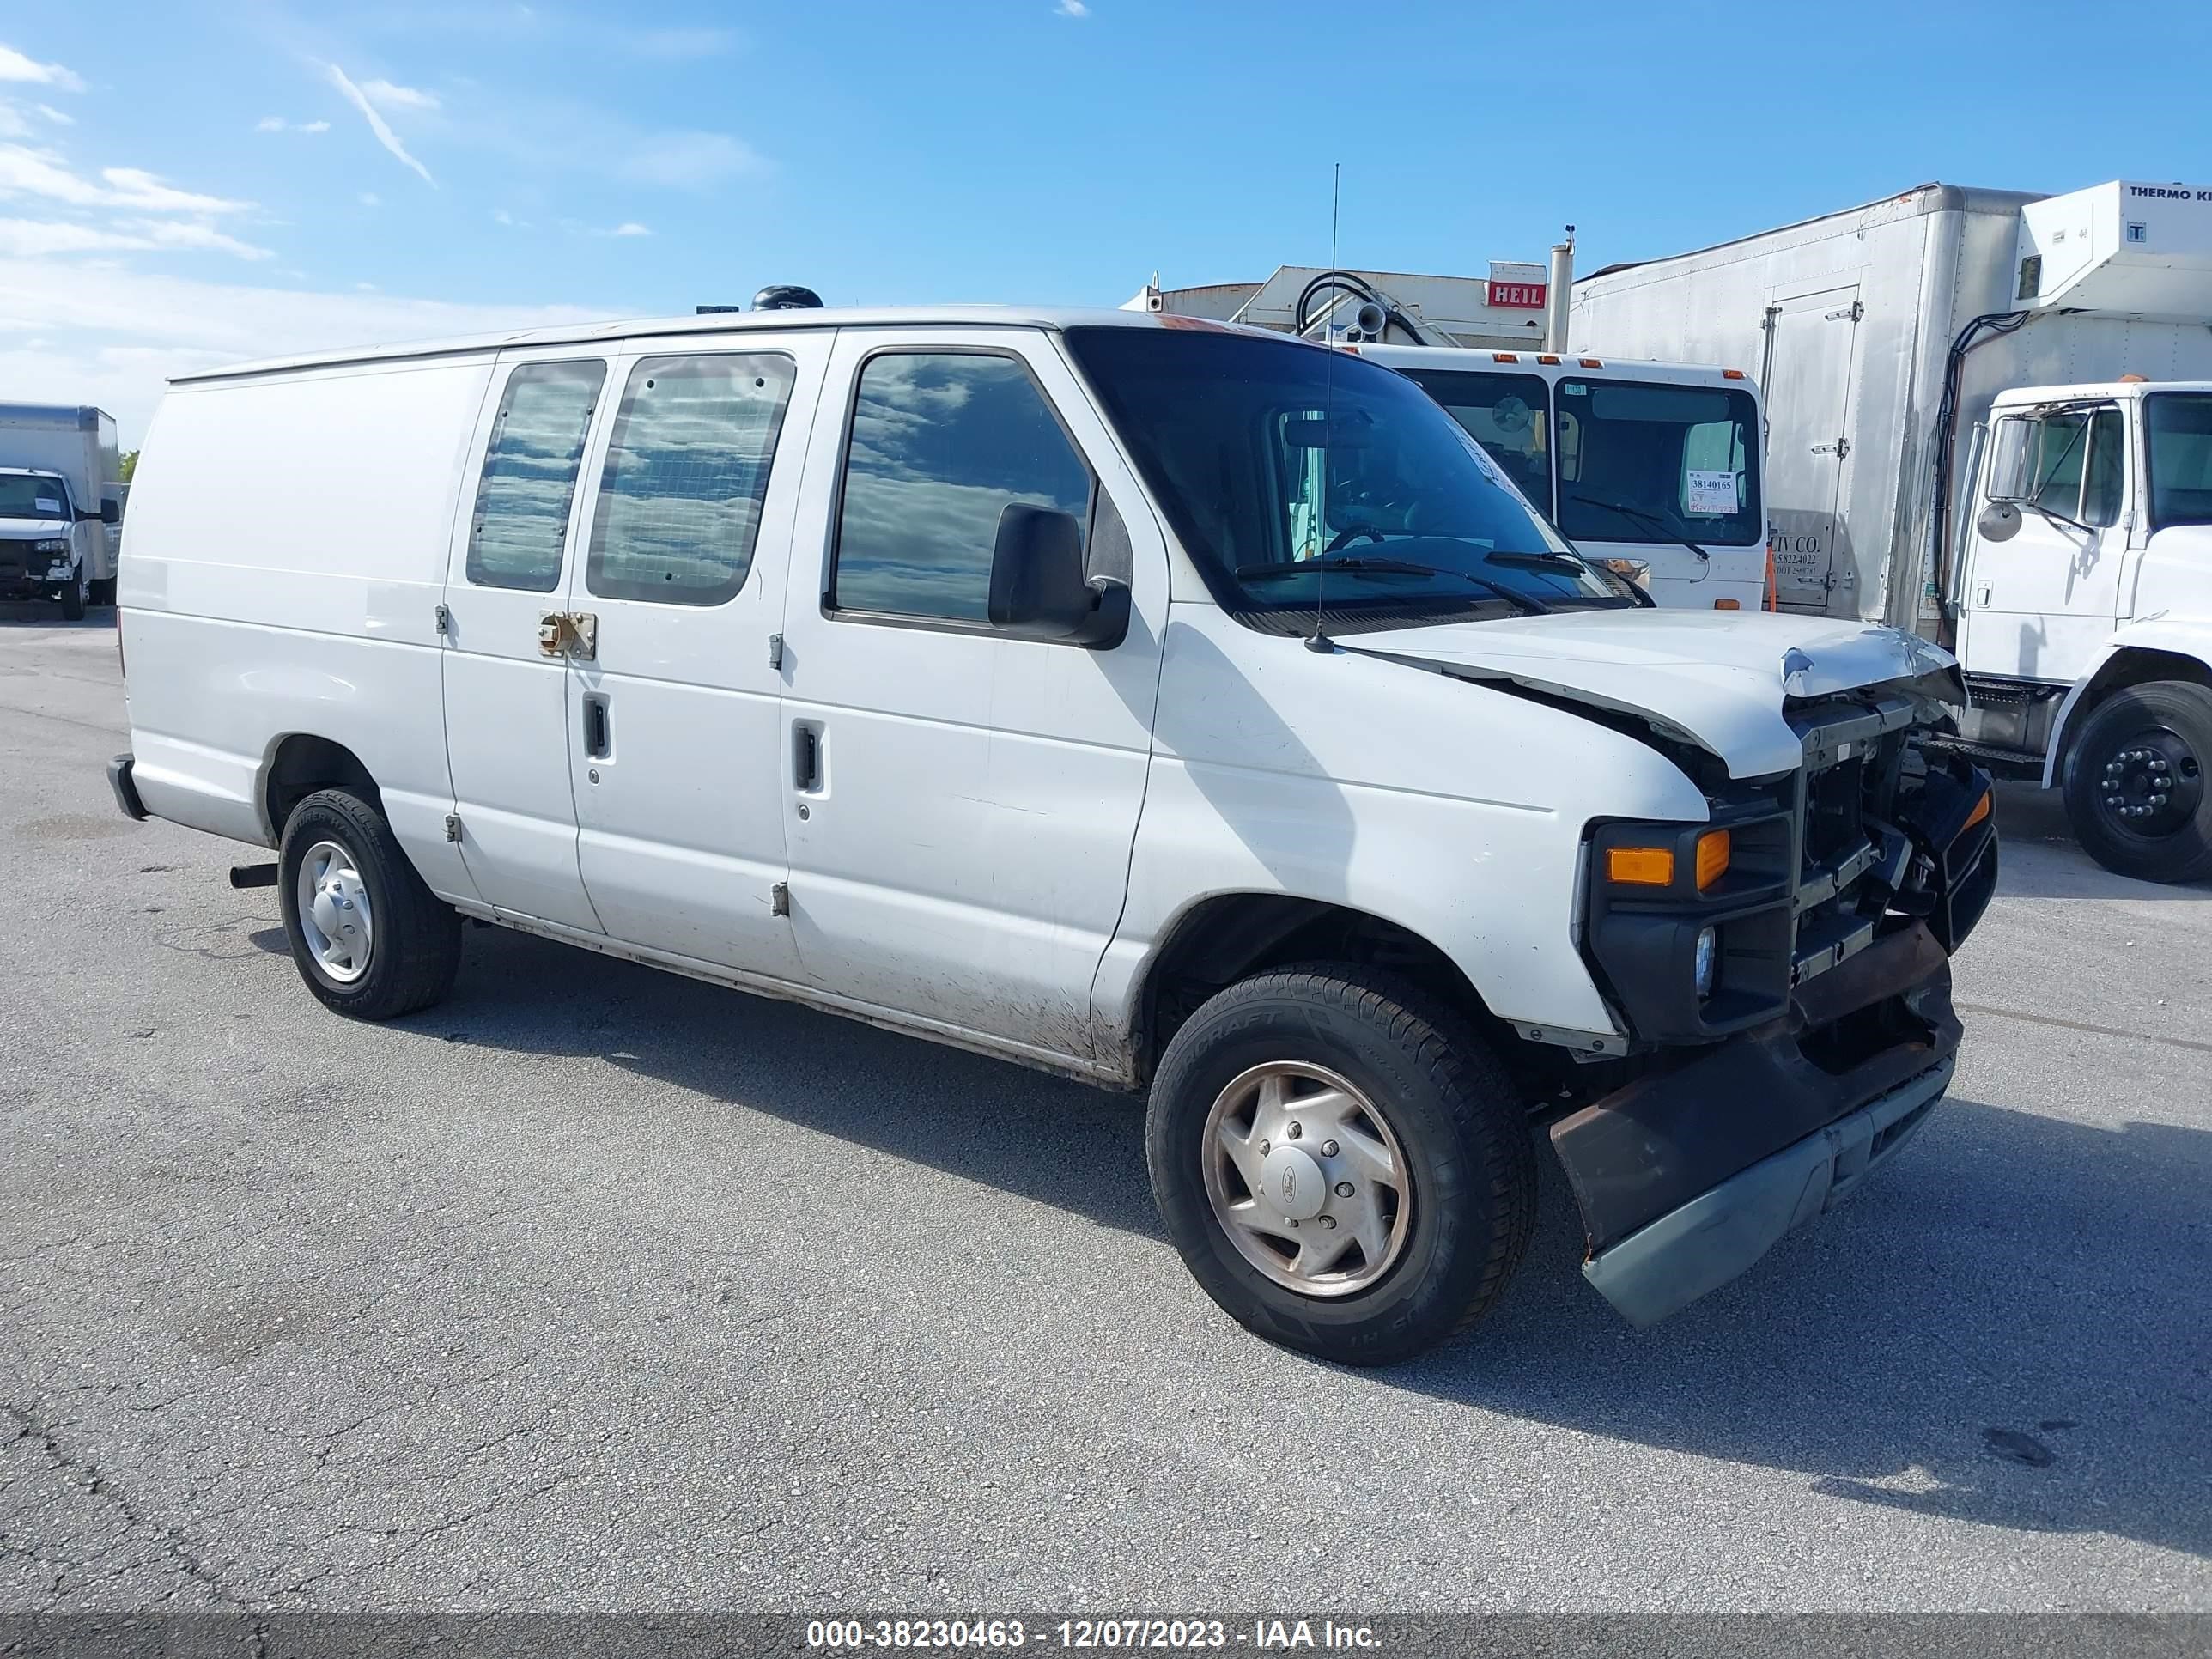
(370,938)
(75,593)
(2135,788)
(1342,1162)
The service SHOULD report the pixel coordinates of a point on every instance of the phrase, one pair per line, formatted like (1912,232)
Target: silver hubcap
(1307,1179)
(334,912)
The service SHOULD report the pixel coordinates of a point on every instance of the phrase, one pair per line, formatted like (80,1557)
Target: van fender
(2161,633)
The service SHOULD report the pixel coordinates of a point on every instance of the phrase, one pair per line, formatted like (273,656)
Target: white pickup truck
(1173,706)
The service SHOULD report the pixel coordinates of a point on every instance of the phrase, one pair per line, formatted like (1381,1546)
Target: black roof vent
(786,296)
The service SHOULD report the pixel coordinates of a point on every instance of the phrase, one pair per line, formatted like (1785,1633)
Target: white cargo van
(1170,705)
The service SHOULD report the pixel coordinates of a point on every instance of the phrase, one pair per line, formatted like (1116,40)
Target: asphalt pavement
(597,1288)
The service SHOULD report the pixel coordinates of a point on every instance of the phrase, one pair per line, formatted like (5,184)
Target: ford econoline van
(1179,708)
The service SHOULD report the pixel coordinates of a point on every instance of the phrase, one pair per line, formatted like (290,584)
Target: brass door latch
(572,634)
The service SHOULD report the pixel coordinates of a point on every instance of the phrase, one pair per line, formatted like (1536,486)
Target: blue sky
(182,184)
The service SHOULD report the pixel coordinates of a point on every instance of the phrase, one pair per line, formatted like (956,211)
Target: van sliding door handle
(599,731)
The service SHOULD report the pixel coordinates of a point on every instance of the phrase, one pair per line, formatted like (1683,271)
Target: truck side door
(960,804)
(675,712)
(506,686)
(2040,601)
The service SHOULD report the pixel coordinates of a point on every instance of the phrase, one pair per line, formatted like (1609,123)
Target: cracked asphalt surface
(598,1289)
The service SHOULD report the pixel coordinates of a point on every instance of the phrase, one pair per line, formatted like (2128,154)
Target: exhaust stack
(1557,292)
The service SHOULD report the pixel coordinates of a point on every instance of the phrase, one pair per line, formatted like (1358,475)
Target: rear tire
(1446,1242)
(74,594)
(2135,787)
(370,938)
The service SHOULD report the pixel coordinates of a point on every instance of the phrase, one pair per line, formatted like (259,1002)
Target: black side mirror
(1038,587)
(111,510)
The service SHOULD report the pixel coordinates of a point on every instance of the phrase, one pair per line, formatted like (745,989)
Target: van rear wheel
(369,937)
(2135,788)
(1342,1162)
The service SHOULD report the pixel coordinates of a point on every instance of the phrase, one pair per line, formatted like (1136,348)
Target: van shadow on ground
(2011,1326)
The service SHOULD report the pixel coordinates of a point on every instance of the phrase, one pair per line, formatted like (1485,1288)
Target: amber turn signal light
(1981,811)
(1640,866)
(1713,851)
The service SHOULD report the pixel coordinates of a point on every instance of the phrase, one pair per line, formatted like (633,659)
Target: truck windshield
(2179,426)
(1509,415)
(1636,455)
(32,495)
(1293,474)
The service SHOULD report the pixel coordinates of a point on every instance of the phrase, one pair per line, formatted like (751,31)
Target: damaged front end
(1817,1033)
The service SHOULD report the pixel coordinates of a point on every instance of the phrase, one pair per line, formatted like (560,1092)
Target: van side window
(521,521)
(942,443)
(687,470)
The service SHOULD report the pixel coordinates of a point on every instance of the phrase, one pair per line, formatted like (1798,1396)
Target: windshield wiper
(1640,515)
(1528,604)
(1566,562)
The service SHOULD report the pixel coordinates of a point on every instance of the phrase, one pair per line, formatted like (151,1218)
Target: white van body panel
(1340,777)
(298,597)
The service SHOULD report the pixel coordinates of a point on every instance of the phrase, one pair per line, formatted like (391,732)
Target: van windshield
(1294,475)
(32,495)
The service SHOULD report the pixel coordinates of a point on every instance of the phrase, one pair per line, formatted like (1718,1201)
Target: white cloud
(629,227)
(384,134)
(170,232)
(26,172)
(502,216)
(370,198)
(55,115)
(14,66)
(117,332)
(688,160)
(1072,8)
(33,238)
(367,288)
(385,96)
(12,123)
(279,123)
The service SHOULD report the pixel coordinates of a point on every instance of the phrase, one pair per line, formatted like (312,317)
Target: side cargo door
(674,715)
(507,684)
(1812,350)
(961,806)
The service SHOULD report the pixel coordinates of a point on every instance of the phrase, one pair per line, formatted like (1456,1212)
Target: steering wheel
(1350,534)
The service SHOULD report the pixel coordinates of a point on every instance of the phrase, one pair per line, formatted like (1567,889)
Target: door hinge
(444,619)
(1839,449)
(1850,314)
(453,826)
(776,651)
(779,899)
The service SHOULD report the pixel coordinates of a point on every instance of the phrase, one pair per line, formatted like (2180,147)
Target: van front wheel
(1342,1162)
(371,940)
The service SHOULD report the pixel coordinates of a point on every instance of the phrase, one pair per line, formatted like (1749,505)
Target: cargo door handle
(806,757)
(599,731)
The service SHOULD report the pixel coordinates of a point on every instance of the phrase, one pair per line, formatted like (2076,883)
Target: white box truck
(61,505)
(1989,419)
(958,671)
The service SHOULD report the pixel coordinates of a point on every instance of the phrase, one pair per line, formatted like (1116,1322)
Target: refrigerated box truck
(61,506)
(1989,419)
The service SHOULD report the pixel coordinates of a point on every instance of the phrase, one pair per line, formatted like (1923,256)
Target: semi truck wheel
(1342,1162)
(75,593)
(2135,783)
(369,937)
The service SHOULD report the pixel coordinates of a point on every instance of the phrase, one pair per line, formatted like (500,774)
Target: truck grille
(1847,793)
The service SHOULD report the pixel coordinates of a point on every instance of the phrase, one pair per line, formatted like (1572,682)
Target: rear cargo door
(1812,348)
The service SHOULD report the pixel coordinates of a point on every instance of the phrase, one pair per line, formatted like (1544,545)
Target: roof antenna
(1319,639)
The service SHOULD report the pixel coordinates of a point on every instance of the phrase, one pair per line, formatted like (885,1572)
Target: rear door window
(686,473)
(521,527)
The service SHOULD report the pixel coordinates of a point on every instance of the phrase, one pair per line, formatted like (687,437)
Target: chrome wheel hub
(1307,1178)
(335,917)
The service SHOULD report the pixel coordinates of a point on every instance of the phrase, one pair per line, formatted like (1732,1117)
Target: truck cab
(1648,464)
(2085,621)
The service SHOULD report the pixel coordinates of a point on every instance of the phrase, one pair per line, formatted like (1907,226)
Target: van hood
(33,530)
(1717,679)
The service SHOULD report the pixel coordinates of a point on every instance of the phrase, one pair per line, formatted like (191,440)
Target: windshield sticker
(48,504)
(1712,495)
